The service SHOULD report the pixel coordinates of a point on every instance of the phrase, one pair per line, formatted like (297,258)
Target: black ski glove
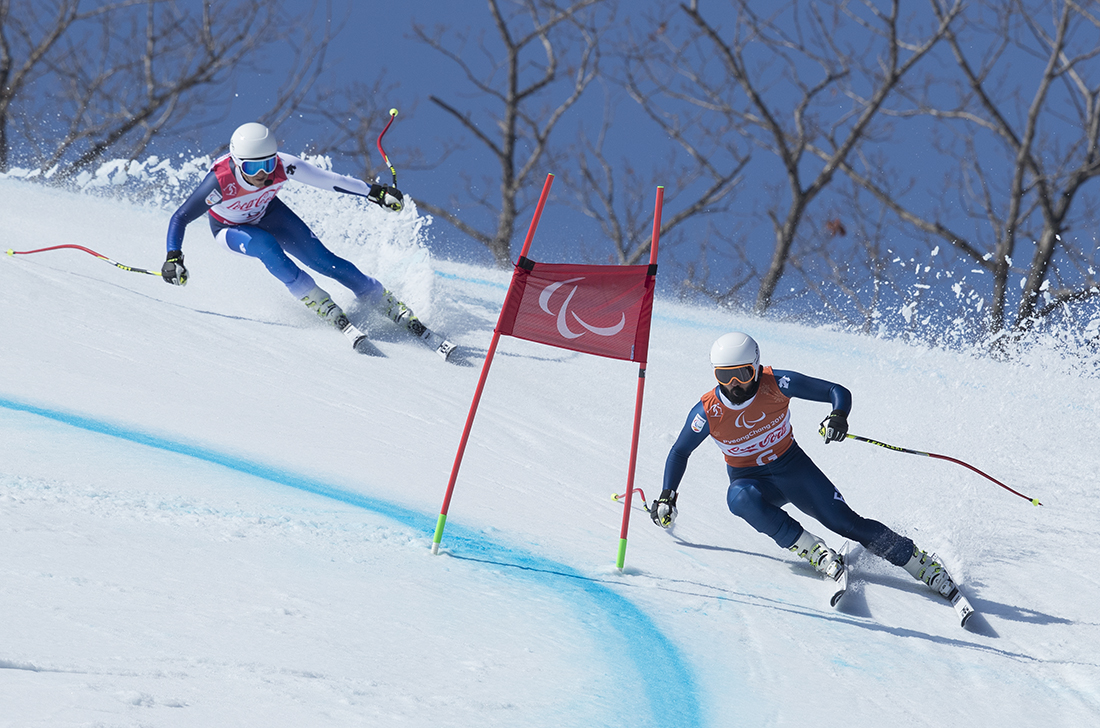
(173,271)
(834,428)
(386,196)
(663,510)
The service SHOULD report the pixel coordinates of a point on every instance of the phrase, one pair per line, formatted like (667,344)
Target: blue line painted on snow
(478,281)
(666,681)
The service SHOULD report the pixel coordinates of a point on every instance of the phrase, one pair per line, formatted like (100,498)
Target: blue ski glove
(173,271)
(663,510)
(834,428)
(386,196)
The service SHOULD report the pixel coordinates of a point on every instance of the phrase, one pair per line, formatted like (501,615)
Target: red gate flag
(595,309)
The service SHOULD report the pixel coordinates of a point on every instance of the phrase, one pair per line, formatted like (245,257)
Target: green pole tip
(439,524)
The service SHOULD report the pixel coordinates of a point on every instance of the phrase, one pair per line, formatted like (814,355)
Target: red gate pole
(621,560)
(442,520)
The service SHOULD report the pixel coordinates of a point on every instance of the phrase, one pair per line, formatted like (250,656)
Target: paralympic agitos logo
(564,313)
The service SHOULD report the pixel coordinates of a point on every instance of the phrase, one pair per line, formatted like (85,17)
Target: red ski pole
(115,263)
(619,496)
(393,115)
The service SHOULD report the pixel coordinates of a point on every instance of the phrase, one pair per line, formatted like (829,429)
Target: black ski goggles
(253,166)
(743,374)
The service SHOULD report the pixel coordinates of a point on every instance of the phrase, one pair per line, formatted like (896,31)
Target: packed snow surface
(214,512)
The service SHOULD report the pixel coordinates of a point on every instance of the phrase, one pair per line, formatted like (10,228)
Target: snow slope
(212,512)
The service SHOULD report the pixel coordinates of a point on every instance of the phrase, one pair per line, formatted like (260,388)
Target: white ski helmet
(252,141)
(735,349)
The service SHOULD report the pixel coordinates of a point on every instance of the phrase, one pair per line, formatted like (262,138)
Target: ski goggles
(255,166)
(741,374)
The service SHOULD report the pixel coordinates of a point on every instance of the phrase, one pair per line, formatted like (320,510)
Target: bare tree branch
(26,37)
(1030,195)
(516,82)
(111,95)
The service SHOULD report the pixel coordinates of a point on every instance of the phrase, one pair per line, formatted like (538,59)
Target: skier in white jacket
(239,195)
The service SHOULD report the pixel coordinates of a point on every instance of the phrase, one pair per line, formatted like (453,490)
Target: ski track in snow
(151,574)
(656,660)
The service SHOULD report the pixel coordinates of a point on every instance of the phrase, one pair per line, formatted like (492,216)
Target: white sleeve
(300,170)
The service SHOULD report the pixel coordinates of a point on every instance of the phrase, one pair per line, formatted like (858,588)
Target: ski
(359,341)
(445,349)
(963,609)
(839,583)
(959,602)
(431,339)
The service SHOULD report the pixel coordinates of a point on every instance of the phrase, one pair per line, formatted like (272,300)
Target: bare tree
(702,166)
(29,31)
(349,120)
(790,144)
(792,81)
(146,69)
(1022,155)
(549,54)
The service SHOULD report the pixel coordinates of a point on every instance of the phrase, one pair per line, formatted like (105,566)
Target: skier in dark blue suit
(747,415)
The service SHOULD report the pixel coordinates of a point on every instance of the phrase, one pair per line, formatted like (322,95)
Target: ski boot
(394,310)
(321,304)
(820,556)
(924,567)
(402,315)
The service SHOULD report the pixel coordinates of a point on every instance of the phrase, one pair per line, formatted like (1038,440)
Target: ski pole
(393,115)
(620,496)
(1034,501)
(115,263)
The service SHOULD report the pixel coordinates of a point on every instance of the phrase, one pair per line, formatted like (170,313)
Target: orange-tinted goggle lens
(742,374)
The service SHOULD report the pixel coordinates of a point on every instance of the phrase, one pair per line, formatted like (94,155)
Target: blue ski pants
(757,495)
(280,232)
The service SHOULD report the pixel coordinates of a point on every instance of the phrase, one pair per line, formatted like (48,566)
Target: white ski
(962,607)
(839,583)
(359,341)
(442,347)
(431,339)
(958,600)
